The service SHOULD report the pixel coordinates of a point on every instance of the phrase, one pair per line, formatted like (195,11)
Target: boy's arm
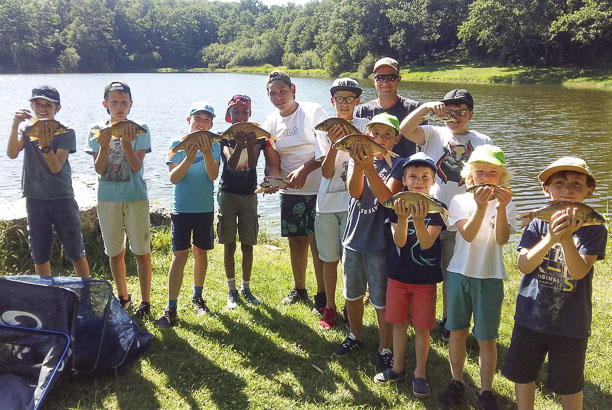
(378,187)
(244,141)
(502,227)
(297,177)
(468,228)
(328,166)
(426,235)
(356,177)
(15,145)
(134,158)
(272,157)
(177,171)
(410,125)
(400,229)
(55,160)
(101,157)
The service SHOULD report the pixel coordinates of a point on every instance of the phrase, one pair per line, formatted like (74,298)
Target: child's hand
(482,196)
(205,145)
(419,210)
(576,220)
(437,107)
(564,223)
(336,132)
(363,154)
(191,151)
(503,197)
(400,208)
(104,138)
(129,134)
(46,135)
(21,115)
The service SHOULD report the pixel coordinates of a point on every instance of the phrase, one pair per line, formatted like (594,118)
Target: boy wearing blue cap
(413,266)
(192,173)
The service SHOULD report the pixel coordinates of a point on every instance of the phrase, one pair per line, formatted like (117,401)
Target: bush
(290,60)
(366,66)
(308,60)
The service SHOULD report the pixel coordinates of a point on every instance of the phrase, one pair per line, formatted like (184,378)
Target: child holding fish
(553,309)
(474,281)
(333,196)
(192,172)
(413,266)
(118,147)
(47,181)
(364,259)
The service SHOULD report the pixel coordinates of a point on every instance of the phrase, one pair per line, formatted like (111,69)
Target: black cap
(459,96)
(346,84)
(46,92)
(117,86)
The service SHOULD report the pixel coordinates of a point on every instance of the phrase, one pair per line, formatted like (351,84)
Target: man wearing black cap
(450,146)
(386,79)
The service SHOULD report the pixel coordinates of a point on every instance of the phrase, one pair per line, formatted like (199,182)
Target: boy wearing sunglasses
(450,147)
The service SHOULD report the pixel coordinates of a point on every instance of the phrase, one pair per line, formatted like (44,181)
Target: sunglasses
(458,113)
(344,100)
(385,77)
(241,98)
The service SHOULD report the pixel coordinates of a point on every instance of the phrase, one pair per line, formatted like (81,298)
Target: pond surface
(534,125)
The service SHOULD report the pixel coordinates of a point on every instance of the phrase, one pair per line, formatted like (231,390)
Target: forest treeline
(335,35)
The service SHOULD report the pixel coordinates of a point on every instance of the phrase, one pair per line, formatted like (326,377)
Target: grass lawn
(275,356)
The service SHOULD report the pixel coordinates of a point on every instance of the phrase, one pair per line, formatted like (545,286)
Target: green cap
(488,153)
(386,119)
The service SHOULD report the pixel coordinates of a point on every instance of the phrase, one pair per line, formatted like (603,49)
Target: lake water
(532,124)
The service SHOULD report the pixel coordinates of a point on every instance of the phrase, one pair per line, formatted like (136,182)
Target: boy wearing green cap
(370,180)
(474,281)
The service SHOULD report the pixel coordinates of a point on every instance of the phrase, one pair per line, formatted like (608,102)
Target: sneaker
(232,298)
(454,395)
(328,321)
(389,376)
(345,317)
(349,344)
(320,300)
(249,297)
(420,387)
(199,305)
(486,400)
(444,332)
(169,317)
(384,361)
(125,303)
(296,295)
(143,310)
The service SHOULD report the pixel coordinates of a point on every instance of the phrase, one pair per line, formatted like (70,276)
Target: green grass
(275,356)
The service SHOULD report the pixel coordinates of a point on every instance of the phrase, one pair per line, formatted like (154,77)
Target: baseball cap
(419,158)
(459,96)
(198,106)
(387,61)
(386,119)
(117,86)
(46,92)
(566,164)
(488,153)
(278,75)
(345,84)
(237,99)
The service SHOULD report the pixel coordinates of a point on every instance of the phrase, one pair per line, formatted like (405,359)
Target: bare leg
(247,261)
(572,401)
(81,268)
(317,264)
(385,330)
(175,273)
(200,264)
(354,309)
(229,250)
(117,266)
(44,269)
(525,395)
(330,277)
(421,347)
(143,266)
(457,353)
(298,252)
(487,359)
(400,336)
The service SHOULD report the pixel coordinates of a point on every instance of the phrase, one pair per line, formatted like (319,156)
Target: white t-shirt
(450,152)
(296,143)
(482,258)
(333,193)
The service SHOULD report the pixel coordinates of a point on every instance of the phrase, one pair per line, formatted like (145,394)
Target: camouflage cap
(278,75)
(387,61)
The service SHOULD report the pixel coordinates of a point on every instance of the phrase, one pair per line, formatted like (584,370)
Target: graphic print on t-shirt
(117,169)
(415,253)
(450,164)
(553,272)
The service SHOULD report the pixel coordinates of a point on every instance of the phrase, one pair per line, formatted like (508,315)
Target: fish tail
(393,154)
(273,137)
(525,218)
(445,214)
(388,157)
(170,154)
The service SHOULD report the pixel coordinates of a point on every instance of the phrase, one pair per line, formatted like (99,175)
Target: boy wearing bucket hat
(474,281)
(553,307)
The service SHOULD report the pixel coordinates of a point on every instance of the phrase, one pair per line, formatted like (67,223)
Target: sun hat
(387,61)
(117,86)
(459,96)
(419,158)
(237,99)
(488,153)
(386,119)
(46,92)
(198,106)
(566,164)
(346,84)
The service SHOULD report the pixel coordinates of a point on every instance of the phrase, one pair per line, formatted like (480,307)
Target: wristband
(45,150)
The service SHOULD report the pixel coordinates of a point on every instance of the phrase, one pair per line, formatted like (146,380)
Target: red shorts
(406,301)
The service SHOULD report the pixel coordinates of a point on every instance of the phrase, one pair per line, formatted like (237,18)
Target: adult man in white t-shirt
(294,159)
(450,147)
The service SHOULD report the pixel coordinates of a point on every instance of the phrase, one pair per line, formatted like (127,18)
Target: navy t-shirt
(242,180)
(411,264)
(549,300)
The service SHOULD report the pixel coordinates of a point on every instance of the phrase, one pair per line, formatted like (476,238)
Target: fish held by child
(35,128)
(447,116)
(119,129)
(591,217)
(272,182)
(475,188)
(345,143)
(411,198)
(330,122)
(193,137)
(246,127)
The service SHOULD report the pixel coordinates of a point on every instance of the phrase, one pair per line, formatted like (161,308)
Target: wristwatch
(45,150)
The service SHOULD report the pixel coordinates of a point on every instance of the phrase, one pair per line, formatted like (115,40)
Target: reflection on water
(534,125)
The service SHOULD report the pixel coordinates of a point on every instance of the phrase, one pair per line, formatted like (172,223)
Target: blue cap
(198,106)
(420,158)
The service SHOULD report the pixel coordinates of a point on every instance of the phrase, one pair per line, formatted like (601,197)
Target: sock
(197,291)
(172,303)
(231,284)
(385,350)
(352,336)
(245,285)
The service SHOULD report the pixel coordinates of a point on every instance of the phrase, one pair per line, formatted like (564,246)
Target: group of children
(400,254)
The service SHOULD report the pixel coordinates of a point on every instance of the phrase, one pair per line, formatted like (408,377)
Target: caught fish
(246,127)
(119,129)
(344,144)
(330,122)
(193,137)
(447,116)
(281,183)
(591,217)
(411,198)
(475,188)
(36,125)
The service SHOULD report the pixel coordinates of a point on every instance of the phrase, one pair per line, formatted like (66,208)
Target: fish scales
(411,198)
(345,143)
(279,182)
(34,130)
(246,127)
(193,137)
(119,129)
(330,122)
(591,217)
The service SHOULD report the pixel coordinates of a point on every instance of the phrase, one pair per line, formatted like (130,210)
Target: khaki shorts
(117,218)
(237,214)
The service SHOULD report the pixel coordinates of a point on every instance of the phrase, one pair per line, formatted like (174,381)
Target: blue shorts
(200,223)
(566,356)
(482,297)
(63,214)
(363,269)
(297,215)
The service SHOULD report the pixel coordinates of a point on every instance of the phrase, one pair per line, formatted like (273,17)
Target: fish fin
(393,154)
(388,158)
(445,214)
(273,137)
(525,218)
(170,153)
(96,134)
